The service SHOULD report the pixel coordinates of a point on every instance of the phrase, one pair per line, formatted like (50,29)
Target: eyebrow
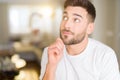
(78,15)
(73,14)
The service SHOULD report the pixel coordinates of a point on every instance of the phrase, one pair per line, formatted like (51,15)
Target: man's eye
(76,20)
(65,18)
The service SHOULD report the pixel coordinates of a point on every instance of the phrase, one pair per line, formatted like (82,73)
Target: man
(75,56)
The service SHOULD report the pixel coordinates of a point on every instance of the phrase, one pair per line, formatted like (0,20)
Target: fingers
(58,46)
(55,52)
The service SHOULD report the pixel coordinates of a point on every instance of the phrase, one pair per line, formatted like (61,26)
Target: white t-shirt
(96,62)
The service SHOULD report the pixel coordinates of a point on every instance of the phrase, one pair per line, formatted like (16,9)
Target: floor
(30,72)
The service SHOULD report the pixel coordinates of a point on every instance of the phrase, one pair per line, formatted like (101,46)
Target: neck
(77,48)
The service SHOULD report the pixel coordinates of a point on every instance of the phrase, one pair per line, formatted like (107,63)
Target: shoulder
(44,54)
(99,46)
(101,51)
(104,55)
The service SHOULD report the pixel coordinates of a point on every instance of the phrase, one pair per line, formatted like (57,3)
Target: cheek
(61,25)
(80,30)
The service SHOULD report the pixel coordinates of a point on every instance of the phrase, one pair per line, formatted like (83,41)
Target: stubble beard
(76,39)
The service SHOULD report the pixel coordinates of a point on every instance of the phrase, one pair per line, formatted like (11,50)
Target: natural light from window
(23,18)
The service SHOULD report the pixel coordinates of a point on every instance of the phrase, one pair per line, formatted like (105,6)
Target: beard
(78,38)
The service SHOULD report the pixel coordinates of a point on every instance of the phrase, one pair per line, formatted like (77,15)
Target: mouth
(66,32)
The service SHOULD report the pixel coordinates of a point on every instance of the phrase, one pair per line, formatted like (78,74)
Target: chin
(66,41)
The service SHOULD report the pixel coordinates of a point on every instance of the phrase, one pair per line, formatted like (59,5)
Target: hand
(55,52)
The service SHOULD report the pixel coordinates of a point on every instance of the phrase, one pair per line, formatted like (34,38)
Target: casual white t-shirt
(96,62)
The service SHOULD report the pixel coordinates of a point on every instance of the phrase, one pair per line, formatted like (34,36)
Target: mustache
(67,31)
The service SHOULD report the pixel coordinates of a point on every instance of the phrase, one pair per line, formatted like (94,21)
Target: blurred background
(28,26)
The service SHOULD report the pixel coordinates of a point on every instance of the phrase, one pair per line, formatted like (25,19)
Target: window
(24,18)
(19,19)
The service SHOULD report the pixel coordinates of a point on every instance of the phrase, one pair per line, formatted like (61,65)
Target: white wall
(107,24)
(105,21)
(117,44)
(4,34)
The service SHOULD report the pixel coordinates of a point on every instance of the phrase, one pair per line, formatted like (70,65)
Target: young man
(75,56)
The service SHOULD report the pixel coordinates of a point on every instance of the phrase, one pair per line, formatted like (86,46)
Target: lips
(66,32)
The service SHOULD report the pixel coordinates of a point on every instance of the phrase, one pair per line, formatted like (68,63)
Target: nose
(68,24)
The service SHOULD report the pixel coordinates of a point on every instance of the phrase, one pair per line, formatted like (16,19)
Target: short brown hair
(86,4)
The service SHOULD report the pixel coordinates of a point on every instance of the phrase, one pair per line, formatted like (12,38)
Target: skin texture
(74,30)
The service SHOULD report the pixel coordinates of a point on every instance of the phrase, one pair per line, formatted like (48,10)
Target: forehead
(75,10)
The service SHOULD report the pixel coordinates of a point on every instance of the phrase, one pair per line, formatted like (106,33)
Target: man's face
(74,25)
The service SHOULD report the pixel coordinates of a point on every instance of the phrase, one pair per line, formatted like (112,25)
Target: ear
(90,28)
